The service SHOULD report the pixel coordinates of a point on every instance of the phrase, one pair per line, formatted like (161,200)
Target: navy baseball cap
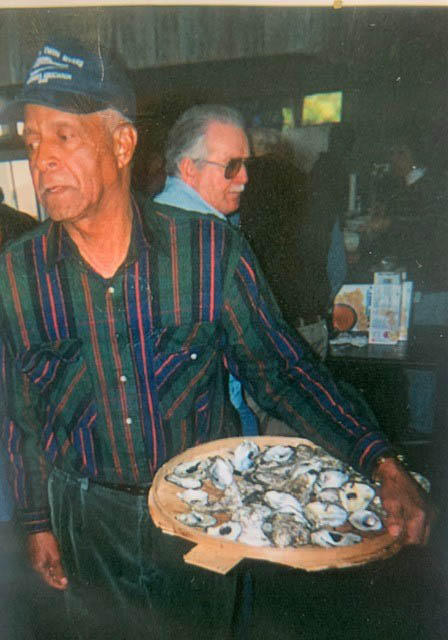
(68,76)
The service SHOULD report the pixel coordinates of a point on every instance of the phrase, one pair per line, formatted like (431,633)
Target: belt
(132,489)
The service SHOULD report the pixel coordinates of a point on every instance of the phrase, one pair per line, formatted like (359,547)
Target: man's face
(71,159)
(223,142)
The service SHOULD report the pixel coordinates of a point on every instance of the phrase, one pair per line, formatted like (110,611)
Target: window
(322,107)
(16,184)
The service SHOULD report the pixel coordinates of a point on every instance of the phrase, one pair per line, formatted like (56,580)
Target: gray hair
(187,136)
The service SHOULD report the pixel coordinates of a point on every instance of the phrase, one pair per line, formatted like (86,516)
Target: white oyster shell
(195,519)
(423,482)
(325,514)
(326,538)
(228,530)
(356,495)
(244,454)
(331,479)
(284,502)
(187,482)
(221,473)
(365,520)
(194,468)
(278,454)
(194,497)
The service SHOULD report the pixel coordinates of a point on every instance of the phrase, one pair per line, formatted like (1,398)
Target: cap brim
(62,101)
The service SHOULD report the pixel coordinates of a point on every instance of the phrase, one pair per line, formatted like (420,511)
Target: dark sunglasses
(231,169)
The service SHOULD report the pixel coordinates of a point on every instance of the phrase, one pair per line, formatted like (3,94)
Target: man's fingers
(54,576)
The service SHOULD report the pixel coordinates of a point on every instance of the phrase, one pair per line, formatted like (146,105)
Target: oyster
(365,520)
(325,514)
(278,454)
(195,519)
(423,482)
(193,468)
(285,531)
(186,482)
(194,497)
(304,452)
(329,495)
(284,502)
(331,479)
(356,495)
(302,485)
(326,538)
(243,457)
(221,473)
(228,530)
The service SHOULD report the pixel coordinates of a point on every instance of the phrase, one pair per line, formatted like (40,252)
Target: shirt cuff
(34,521)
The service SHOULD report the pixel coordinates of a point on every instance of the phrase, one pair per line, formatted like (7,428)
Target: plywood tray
(222,555)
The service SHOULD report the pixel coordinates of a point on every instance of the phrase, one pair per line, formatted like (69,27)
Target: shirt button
(123,379)
(111,290)
(128,420)
(193,356)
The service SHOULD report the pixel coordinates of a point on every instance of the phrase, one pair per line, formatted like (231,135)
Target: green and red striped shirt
(109,378)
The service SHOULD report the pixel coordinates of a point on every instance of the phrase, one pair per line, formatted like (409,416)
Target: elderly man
(117,329)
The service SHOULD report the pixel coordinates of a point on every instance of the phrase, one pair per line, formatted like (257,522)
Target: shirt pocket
(184,358)
(66,409)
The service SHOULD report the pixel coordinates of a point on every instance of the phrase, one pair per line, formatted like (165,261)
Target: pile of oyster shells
(278,496)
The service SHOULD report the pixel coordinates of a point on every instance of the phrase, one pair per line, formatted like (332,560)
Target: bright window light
(322,107)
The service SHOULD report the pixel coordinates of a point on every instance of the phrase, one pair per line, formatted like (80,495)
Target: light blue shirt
(176,193)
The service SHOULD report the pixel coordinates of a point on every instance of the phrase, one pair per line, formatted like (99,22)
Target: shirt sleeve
(286,379)
(27,468)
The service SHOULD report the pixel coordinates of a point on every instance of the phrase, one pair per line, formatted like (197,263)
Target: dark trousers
(127,579)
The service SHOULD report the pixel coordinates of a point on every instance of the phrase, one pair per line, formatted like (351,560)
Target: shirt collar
(177,193)
(60,246)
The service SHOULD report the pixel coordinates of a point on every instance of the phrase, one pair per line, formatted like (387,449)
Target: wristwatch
(398,457)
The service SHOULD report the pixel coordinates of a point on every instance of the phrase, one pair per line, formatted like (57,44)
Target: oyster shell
(221,473)
(331,479)
(193,468)
(228,530)
(329,495)
(186,482)
(356,495)
(284,502)
(285,531)
(325,514)
(194,497)
(423,482)
(326,538)
(278,454)
(195,519)
(244,454)
(365,520)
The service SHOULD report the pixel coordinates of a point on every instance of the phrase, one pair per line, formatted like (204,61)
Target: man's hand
(409,511)
(43,551)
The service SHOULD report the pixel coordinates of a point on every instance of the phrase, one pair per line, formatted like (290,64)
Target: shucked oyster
(195,519)
(228,530)
(283,502)
(243,457)
(356,495)
(185,482)
(325,514)
(326,538)
(365,520)
(286,531)
(221,473)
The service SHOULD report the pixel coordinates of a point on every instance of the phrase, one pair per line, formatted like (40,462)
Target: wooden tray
(222,555)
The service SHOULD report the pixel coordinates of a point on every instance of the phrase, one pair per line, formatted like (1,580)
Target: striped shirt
(109,378)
